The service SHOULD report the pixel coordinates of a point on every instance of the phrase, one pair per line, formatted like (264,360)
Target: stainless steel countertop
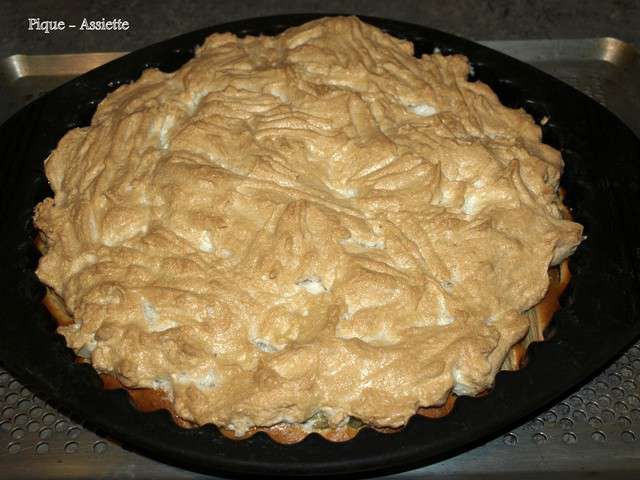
(474,19)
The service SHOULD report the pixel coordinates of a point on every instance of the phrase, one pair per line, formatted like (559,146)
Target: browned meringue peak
(312,222)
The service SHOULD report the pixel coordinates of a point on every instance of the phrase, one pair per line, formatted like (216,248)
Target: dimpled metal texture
(601,419)
(29,426)
(606,410)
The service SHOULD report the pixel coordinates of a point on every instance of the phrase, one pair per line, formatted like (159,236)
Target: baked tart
(312,232)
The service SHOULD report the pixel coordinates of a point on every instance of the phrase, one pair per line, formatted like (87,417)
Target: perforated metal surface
(30,426)
(607,410)
(596,429)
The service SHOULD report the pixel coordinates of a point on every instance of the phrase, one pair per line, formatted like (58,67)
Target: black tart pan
(600,313)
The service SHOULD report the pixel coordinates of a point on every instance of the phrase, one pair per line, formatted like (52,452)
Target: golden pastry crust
(313,224)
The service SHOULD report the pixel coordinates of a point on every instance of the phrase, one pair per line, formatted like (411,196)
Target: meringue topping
(313,222)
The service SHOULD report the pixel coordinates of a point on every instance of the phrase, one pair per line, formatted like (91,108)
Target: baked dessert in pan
(149,400)
(309,232)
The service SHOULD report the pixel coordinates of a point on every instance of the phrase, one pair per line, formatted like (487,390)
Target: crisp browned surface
(148,400)
(323,194)
(49,216)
